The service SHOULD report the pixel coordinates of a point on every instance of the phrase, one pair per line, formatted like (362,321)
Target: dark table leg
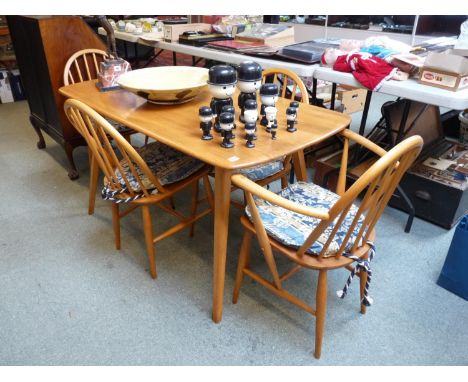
(333,95)
(314,91)
(137,60)
(153,57)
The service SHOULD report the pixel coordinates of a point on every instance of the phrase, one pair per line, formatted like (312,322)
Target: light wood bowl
(165,84)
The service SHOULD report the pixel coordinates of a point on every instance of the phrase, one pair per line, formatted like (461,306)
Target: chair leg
(244,259)
(148,228)
(146,140)
(362,282)
(194,205)
(208,191)
(93,179)
(320,311)
(172,203)
(284,181)
(116,224)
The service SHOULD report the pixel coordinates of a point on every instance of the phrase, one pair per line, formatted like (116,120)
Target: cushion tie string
(361,266)
(108,194)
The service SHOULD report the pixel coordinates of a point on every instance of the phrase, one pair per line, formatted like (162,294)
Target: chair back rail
(98,134)
(83,66)
(283,77)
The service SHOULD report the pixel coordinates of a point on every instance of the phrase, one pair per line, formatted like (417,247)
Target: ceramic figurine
(130,28)
(295,105)
(206,115)
(222,84)
(268,97)
(121,26)
(291,115)
(249,80)
(250,120)
(229,109)
(272,124)
(138,30)
(226,122)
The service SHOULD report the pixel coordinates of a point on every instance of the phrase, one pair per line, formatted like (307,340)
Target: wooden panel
(43,45)
(62,36)
(178,126)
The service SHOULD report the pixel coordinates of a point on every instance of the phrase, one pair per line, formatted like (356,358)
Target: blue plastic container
(454,274)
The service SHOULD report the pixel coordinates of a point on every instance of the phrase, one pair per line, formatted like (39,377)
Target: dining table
(178,126)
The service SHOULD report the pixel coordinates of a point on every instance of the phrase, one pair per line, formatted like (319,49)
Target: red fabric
(369,70)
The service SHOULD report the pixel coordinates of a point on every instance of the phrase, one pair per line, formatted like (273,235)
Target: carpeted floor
(67,297)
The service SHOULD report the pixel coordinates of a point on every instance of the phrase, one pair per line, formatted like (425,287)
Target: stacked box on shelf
(6,95)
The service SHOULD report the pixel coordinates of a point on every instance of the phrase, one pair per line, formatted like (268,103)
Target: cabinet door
(32,63)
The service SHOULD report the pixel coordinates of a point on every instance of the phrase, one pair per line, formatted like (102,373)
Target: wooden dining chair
(140,177)
(84,66)
(321,230)
(288,83)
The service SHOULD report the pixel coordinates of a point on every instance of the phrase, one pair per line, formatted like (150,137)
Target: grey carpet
(67,297)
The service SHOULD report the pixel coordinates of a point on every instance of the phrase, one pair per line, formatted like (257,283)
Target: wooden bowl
(165,84)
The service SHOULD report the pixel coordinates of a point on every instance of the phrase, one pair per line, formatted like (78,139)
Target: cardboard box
(172,32)
(445,70)
(6,95)
(274,35)
(352,99)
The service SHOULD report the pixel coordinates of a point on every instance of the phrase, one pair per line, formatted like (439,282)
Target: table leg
(333,95)
(300,166)
(221,224)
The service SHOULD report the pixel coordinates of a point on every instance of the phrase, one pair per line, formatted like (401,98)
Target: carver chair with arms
(141,177)
(288,82)
(84,66)
(321,230)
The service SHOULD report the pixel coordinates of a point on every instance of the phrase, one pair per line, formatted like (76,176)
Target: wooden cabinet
(43,44)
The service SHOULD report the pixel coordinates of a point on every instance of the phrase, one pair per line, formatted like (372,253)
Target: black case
(437,195)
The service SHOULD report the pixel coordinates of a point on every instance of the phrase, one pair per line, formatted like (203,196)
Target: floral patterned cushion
(292,229)
(263,171)
(167,164)
(116,125)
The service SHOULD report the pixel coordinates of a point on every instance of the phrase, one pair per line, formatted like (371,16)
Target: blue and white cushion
(262,171)
(292,229)
(116,125)
(168,164)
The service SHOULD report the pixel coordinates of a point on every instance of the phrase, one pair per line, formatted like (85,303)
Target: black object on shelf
(271,19)
(308,52)
(201,38)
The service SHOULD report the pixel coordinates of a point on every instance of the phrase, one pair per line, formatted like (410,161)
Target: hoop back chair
(130,180)
(267,173)
(84,66)
(285,78)
(321,230)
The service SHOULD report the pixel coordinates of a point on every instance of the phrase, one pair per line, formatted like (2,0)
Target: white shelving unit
(307,32)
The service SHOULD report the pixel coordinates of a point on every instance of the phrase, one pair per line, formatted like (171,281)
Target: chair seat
(263,170)
(292,229)
(118,126)
(169,166)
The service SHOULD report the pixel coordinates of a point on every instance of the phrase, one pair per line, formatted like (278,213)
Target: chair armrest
(253,188)
(363,142)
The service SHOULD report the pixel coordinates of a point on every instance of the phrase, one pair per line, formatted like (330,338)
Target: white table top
(409,89)
(303,70)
